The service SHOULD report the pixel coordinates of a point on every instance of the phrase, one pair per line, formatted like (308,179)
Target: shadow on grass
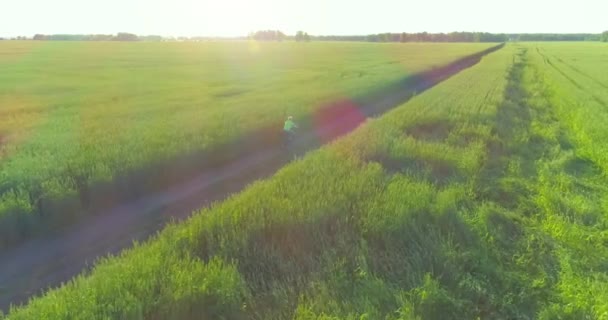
(436,171)
(433,131)
(513,119)
(577,166)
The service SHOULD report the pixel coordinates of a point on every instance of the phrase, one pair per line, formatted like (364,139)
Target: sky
(229,18)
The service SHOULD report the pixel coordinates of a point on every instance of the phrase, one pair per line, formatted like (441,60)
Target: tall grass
(76,114)
(366,225)
(467,202)
(572,182)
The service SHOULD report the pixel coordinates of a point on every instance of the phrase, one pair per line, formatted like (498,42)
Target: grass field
(482,198)
(74,114)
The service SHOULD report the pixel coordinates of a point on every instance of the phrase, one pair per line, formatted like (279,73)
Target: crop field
(76,114)
(484,197)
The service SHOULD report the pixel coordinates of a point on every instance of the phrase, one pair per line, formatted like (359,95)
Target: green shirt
(289,125)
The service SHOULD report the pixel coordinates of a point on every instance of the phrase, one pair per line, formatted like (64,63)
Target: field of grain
(76,114)
(483,198)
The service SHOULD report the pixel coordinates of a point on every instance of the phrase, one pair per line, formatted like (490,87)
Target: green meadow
(74,114)
(485,197)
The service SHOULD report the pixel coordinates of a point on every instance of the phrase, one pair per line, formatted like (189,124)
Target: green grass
(477,199)
(573,189)
(74,114)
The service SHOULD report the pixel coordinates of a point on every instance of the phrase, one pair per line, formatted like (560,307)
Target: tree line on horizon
(276,35)
(301,36)
(466,37)
(121,36)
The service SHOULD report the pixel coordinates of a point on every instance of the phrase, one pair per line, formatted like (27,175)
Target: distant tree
(299,36)
(386,37)
(593,37)
(373,38)
(424,37)
(340,38)
(151,38)
(302,36)
(268,35)
(463,37)
(553,37)
(101,37)
(604,36)
(67,37)
(72,37)
(277,35)
(123,36)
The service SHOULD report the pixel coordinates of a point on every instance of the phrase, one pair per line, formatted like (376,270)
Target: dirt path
(31,267)
(47,262)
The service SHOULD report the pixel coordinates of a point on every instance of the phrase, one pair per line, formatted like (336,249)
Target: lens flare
(337,118)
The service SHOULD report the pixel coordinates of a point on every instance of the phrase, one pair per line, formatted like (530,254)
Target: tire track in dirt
(577,70)
(572,81)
